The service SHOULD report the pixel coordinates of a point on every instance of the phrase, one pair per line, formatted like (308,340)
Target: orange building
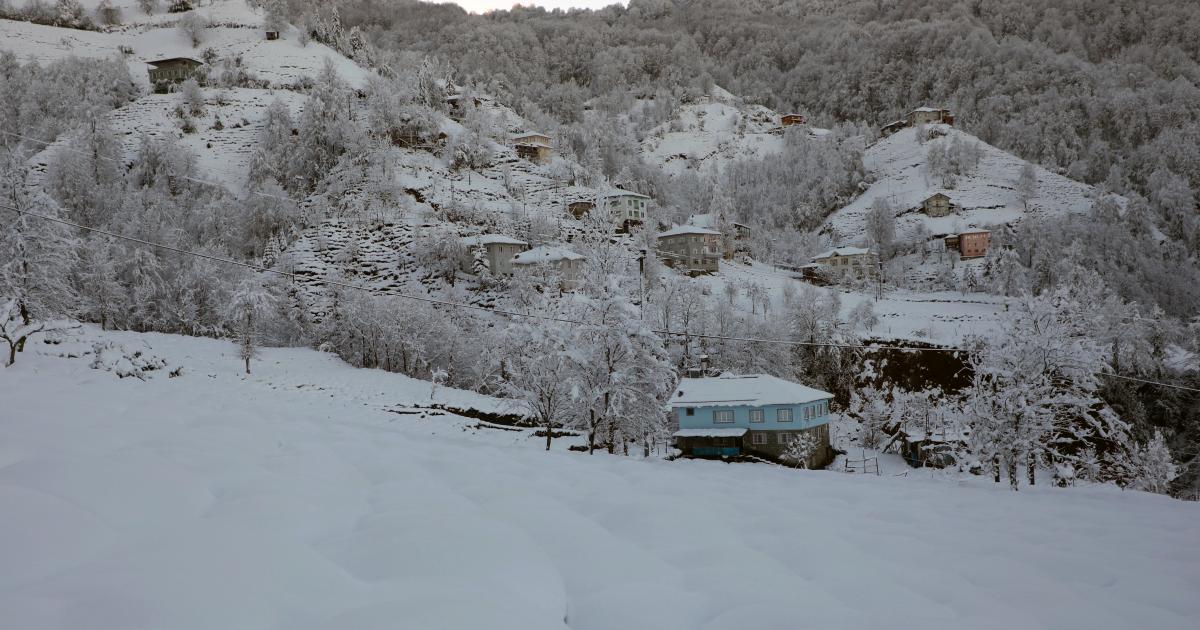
(970,244)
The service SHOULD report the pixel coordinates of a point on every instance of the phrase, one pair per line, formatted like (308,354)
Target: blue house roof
(753,390)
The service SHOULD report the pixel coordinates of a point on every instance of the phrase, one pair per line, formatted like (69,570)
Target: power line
(1140,380)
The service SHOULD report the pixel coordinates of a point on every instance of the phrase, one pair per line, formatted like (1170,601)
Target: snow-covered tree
(537,373)
(1027,184)
(192,27)
(881,227)
(1154,466)
(250,305)
(801,448)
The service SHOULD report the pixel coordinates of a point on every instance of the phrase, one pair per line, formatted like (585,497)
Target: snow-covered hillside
(295,499)
(986,196)
(714,131)
(942,317)
(283,62)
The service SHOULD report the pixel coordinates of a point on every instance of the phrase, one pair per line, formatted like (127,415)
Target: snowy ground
(293,499)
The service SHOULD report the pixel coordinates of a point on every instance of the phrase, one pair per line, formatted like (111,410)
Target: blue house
(731,415)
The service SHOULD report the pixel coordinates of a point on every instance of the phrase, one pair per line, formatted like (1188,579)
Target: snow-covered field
(943,317)
(294,499)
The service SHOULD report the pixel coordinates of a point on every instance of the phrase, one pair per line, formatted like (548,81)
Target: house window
(756,415)
(784,438)
(783,415)
(691,411)
(723,416)
(758,438)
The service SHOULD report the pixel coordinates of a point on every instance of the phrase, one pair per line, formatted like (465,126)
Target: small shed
(272,35)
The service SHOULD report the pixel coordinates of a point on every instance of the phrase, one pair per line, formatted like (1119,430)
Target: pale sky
(479,6)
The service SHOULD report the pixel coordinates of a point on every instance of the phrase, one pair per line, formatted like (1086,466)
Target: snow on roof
(930,109)
(937,194)
(680,230)
(843,251)
(975,231)
(710,432)
(543,254)
(159,62)
(492,239)
(621,192)
(732,389)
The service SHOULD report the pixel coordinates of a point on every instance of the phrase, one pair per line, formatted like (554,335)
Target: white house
(624,207)
(547,260)
(499,250)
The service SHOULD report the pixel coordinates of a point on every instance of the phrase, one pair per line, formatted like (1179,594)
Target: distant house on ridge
(787,120)
(929,116)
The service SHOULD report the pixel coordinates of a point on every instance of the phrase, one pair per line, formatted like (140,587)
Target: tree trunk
(996,469)
(12,353)
(1012,474)
(1031,469)
(591,431)
(549,432)
(247,365)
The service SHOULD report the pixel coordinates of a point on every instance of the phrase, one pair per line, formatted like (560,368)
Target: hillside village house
(535,147)
(929,116)
(787,120)
(731,416)
(892,127)
(498,249)
(849,261)
(970,244)
(549,262)
(937,205)
(625,208)
(173,70)
(690,249)
(741,233)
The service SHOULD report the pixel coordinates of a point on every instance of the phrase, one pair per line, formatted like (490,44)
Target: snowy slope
(944,317)
(987,196)
(712,132)
(216,501)
(283,62)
